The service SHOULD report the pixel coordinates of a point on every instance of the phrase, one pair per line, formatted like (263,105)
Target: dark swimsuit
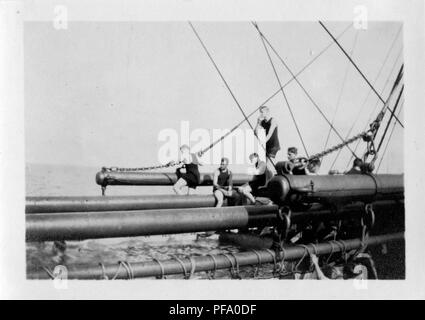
(223,179)
(272,145)
(192,175)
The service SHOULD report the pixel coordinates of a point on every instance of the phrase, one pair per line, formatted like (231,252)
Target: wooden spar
(115,203)
(208,263)
(280,189)
(92,225)
(104,178)
(285,189)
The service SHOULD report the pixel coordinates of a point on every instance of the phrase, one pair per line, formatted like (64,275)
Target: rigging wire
(357,68)
(396,82)
(275,93)
(228,87)
(377,103)
(375,81)
(302,87)
(341,91)
(283,92)
(391,118)
(389,137)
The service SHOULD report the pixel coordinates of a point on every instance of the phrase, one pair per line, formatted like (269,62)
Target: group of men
(188,172)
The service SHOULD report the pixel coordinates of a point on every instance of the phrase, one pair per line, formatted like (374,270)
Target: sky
(100,93)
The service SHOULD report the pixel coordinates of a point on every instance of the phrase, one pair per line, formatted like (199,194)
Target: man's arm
(197,158)
(215,179)
(257,126)
(230,180)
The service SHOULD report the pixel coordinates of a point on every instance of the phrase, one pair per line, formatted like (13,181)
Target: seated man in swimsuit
(250,189)
(298,165)
(294,165)
(187,173)
(222,182)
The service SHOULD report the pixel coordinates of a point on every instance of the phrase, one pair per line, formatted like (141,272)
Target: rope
(369,91)
(233,272)
(274,260)
(391,118)
(117,272)
(338,103)
(377,103)
(185,274)
(162,276)
(275,93)
(228,87)
(104,275)
(282,269)
(306,252)
(302,87)
(332,251)
(344,249)
(361,73)
(192,266)
(237,275)
(257,268)
(211,274)
(128,268)
(49,272)
(283,92)
(389,139)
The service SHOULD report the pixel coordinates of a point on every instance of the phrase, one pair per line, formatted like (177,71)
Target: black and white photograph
(196,152)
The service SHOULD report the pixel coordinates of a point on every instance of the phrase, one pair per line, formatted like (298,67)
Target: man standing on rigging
(272,139)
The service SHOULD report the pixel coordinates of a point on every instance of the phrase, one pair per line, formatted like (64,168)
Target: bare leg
(246,191)
(249,196)
(219,197)
(179,185)
(270,170)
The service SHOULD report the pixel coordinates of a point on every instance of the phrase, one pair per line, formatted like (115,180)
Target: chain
(338,146)
(117,169)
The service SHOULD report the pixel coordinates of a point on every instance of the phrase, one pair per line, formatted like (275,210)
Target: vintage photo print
(188,150)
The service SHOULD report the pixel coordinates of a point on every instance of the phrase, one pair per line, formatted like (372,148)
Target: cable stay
(309,97)
(375,125)
(367,136)
(370,135)
(357,68)
(338,102)
(391,118)
(228,88)
(389,138)
(283,92)
(368,94)
(276,92)
(321,52)
(377,103)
